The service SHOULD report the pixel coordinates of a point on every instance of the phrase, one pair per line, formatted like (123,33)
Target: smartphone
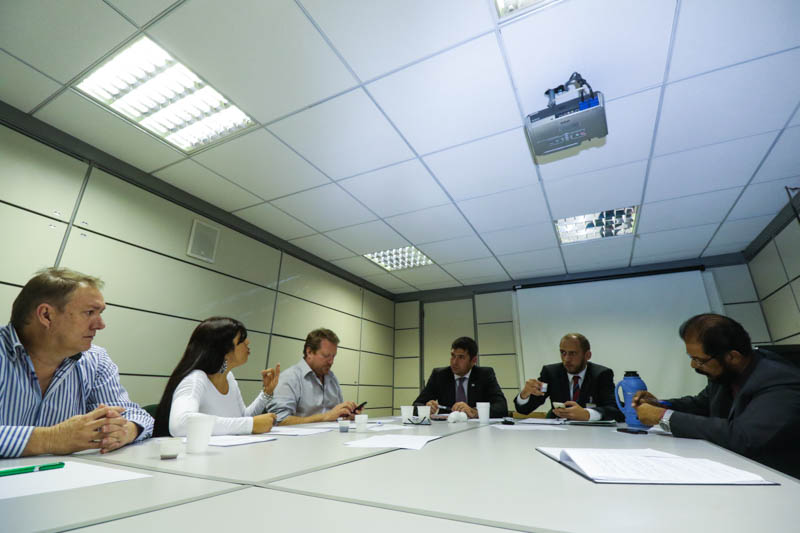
(559,405)
(633,431)
(360,407)
(507,420)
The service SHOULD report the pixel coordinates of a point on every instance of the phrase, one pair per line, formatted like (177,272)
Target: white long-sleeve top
(196,394)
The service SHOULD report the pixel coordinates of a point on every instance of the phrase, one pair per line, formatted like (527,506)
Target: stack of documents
(559,421)
(649,466)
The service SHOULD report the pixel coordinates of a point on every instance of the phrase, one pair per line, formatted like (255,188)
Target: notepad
(648,466)
(74,475)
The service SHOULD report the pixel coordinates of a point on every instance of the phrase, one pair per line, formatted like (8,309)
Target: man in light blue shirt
(308,391)
(59,393)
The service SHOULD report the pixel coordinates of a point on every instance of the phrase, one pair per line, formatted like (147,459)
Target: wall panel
(406,315)
(375,369)
(378,309)
(406,372)
(496,338)
(20,229)
(296,318)
(444,322)
(493,307)
(144,390)
(311,283)
(505,368)
(377,338)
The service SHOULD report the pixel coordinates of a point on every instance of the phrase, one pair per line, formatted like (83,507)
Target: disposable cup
(483,412)
(198,432)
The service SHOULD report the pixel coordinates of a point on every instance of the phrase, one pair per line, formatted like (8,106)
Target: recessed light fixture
(611,223)
(149,87)
(508,8)
(399,258)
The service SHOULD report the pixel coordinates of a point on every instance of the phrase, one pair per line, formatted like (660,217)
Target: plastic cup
(544,387)
(198,432)
(344,425)
(361,423)
(424,411)
(406,412)
(483,412)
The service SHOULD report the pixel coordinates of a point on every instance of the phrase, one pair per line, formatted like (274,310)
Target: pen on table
(32,468)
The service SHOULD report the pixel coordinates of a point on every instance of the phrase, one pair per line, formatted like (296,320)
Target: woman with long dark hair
(203,383)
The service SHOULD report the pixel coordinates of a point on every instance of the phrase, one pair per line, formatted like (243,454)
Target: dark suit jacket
(597,388)
(761,423)
(482,387)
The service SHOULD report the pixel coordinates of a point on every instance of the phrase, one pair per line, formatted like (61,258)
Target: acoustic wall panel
(21,229)
(311,283)
(296,318)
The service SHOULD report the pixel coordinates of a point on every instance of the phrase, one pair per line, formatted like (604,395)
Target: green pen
(32,468)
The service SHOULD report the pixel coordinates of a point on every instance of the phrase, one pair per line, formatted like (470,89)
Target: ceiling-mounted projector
(564,125)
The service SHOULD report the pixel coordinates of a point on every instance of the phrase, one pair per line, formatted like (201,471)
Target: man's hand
(117,431)
(648,414)
(263,423)
(434,405)
(571,411)
(532,386)
(75,434)
(269,377)
(643,397)
(343,410)
(464,408)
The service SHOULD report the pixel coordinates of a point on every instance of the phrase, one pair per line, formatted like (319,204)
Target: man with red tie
(585,389)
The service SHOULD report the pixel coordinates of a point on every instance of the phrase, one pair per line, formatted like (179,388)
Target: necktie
(461,396)
(576,388)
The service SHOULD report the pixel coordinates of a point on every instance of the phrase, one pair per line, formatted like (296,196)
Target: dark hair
(466,344)
(583,341)
(718,334)
(53,286)
(314,339)
(210,341)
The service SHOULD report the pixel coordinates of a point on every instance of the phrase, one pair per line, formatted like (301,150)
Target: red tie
(576,388)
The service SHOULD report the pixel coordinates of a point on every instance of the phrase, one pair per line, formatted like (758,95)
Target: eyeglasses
(699,363)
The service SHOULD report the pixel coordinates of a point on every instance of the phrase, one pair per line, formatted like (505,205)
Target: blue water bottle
(631,384)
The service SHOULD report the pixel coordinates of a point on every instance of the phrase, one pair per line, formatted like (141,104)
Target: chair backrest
(151,409)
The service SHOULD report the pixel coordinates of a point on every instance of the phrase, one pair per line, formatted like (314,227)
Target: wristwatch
(664,422)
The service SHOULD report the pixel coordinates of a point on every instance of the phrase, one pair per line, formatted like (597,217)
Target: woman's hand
(263,423)
(270,378)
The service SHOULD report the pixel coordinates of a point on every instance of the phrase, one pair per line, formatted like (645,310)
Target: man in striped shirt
(59,393)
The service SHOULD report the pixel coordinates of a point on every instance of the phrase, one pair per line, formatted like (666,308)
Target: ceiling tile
(688,211)
(451,98)
(90,123)
(596,191)
(728,104)
(684,241)
(598,254)
(373,236)
(765,198)
(508,209)
(530,264)
(359,266)
(322,247)
(389,282)
(474,268)
(522,239)
(675,255)
(201,182)
(424,275)
(630,133)
(722,249)
(382,37)
(274,221)
(262,164)
(61,38)
(28,88)
(738,231)
(784,159)
(344,136)
(615,54)
(741,30)
(397,189)
(710,168)
(480,280)
(265,56)
(325,208)
(431,225)
(459,249)
(494,164)
(438,285)
(141,11)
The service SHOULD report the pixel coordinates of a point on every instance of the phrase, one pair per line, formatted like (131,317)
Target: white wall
(156,294)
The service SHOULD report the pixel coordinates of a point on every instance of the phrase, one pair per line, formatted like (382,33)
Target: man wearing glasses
(751,404)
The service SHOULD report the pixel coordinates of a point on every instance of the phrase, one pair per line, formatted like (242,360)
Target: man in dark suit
(461,385)
(751,404)
(585,389)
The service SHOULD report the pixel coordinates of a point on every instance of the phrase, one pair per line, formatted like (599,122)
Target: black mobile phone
(507,420)
(360,406)
(633,431)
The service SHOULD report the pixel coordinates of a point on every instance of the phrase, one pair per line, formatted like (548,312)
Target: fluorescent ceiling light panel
(508,8)
(146,85)
(611,223)
(399,258)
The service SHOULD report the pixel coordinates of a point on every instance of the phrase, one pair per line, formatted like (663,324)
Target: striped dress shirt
(79,385)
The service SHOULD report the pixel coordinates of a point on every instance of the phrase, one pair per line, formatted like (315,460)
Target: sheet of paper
(555,453)
(542,421)
(528,427)
(237,440)
(409,442)
(387,427)
(491,420)
(74,475)
(297,431)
